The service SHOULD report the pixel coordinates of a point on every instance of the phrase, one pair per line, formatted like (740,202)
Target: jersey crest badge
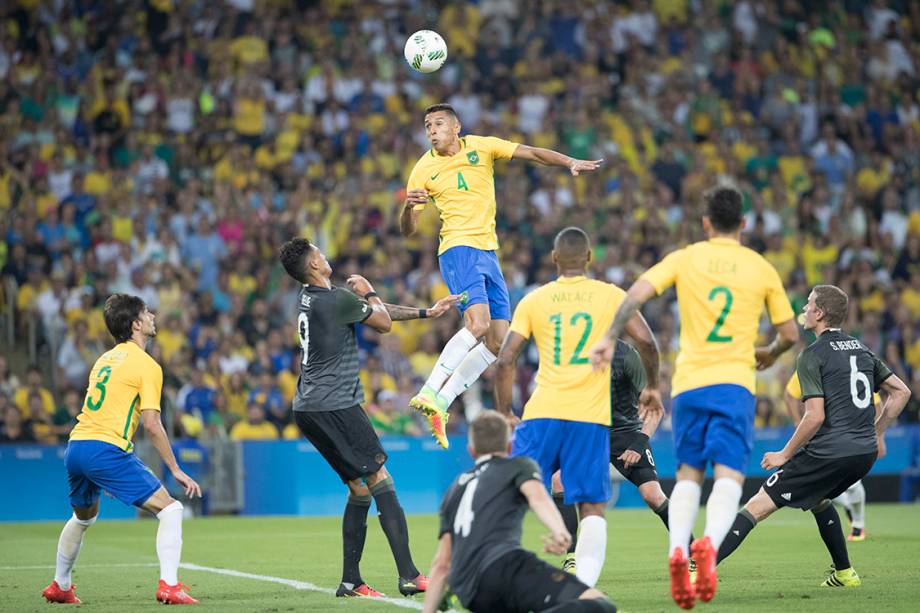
(473,157)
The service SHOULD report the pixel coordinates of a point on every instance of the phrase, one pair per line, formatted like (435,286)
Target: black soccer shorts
(804,481)
(345,438)
(519,581)
(642,471)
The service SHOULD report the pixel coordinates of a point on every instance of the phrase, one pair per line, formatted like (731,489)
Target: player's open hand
(764,357)
(557,542)
(773,459)
(602,353)
(443,305)
(191,487)
(650,405)
(629,457)
(359,285)
(416,197)
(579,166)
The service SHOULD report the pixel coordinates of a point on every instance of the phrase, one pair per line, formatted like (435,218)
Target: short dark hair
(441,106)
(120,312)
(834,302)
(723,207)
(293,255)
(572,240)
(489,433)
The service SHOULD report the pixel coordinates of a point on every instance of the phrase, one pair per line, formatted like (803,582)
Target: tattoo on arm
(401,313)
(624,314)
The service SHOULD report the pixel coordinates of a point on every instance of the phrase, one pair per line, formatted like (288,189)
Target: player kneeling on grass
(836,442)
(327,406)
(124,390)
(480,553)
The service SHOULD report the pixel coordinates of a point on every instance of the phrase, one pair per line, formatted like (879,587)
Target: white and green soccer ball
(425,51)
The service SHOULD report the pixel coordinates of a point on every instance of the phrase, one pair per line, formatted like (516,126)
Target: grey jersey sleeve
(349,309)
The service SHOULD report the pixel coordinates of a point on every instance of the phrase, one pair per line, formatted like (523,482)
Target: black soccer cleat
(411,587)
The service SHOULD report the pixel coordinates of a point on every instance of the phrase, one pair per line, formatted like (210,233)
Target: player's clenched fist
(602,353)
(415,197)
(359,285)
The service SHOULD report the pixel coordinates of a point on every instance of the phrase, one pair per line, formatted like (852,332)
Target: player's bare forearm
(787,335)
(644,340)
(158,438)
(807,428)
(504,375)
(407,221)
(794,407)
(626,311)
(650,423)
(547,157)
(437,577)
(542,505)
(399,312)
(897,394)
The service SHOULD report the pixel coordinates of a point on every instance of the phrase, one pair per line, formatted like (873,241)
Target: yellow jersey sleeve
(498,148)
(778,305)
(151,387)
(664,274)
(794,388)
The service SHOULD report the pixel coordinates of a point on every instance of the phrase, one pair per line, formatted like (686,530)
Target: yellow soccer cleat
(437,422)
(568,565)
(842,578)
(426,401)
(857,534)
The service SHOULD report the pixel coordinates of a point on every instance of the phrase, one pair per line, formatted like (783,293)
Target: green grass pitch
(779,567)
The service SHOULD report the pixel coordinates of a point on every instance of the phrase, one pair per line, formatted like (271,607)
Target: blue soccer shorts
(93,466)
(477,272)
(581,450)
(714,424)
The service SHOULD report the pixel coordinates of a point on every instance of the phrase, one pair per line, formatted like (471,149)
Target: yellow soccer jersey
(123,382)
(722,288)
(566,318)
(462,187)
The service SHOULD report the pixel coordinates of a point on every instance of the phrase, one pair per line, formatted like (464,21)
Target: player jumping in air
(480,536)
(837,441)
(722,288)
(327,406)
(853,500)
(124,390)
(566,422)
(456,176)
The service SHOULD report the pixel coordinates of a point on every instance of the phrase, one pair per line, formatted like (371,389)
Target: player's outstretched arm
(379,320)
(559,539)
(896,394)
(160,440)
(408,217)
(399,312)
(787,335)
(804,432)
(504,375)
(437,576)
(548,157)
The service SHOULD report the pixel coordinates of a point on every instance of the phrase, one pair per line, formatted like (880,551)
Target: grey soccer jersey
(846,374)
(329,366)
(483,511)
(627,380)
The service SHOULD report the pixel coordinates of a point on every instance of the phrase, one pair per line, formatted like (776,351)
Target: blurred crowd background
(167,147)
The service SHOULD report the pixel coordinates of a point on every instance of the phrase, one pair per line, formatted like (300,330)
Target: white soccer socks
(451,356)
(473,365)
(721,509)
(683,505)
(591,549)
(857,499)
(169,542)
(69,548)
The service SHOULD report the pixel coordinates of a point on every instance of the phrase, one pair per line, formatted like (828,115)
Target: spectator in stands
(389,419)
(254,427)
(34,384)
(15,428)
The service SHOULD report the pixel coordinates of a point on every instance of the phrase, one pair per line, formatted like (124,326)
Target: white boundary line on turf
(51,566)
(299,585)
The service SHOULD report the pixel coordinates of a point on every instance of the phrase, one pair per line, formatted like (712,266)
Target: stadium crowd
(166,148)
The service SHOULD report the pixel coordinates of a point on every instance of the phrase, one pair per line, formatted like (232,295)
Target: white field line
(298,585)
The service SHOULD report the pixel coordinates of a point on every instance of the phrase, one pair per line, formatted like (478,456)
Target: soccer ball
(425,51)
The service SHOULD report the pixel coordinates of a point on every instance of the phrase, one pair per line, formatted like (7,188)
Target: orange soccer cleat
(359,591)
(706,578)
(411,587)
(174,594)
(54,593)
(681,589)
